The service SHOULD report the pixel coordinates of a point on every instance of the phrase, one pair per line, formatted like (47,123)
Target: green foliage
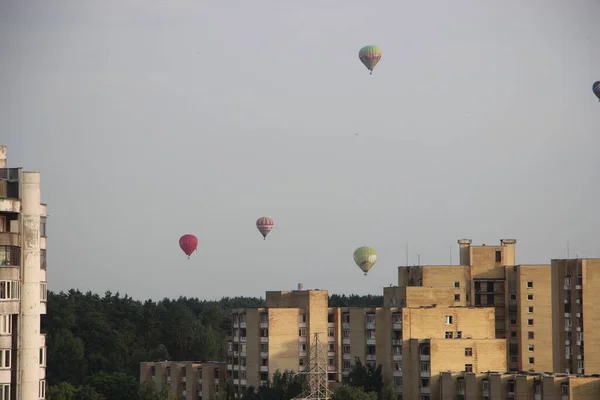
(96,343)
(285,386)
(352,393)
(368,378)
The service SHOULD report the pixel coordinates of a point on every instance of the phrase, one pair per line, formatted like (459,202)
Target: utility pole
(318,382)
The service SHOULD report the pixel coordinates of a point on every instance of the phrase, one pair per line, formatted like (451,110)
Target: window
(530,297)
(302,347)
(567,281)
(513,334)
(530,322)
(513,296)
(42,356)
(4,391)
(530,310)
(529,285)
(513,321)
(449,319)
(3,223)
(346,318)
(458,334)
(531,360)
(346,349)
(530,347)
(371,334)
(485,385)
(43,291)
(331,347)
(398,366)
(331,361)
(5,325)
(43,226)
(10,255)
(264,333)
(301,317)
(448,335)
(9,290)
(346,333)
(370,318)
(457,284)
(511,386)
(468,351)
(498,256)
(530,335)
(302,332)
(264,318)
(331,332)
(564,389)
(346,365)
(424,366)
(468,367)
(330,318)
(301,362)
(5,358)
(457,297)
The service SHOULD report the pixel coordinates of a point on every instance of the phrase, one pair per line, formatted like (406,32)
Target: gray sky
(151,119)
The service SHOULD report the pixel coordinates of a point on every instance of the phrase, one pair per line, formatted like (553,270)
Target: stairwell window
(43,291)
(4,391)
(6,325)
(5,358)
(42,356)
(9,290)
(449,319)
(42,389)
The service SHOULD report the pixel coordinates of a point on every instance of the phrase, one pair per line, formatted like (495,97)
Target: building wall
(283,340)
(190,379)
(431,322)
(533,290)
(23,281)
(517,386)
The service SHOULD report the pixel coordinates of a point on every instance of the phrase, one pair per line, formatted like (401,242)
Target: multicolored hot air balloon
(188,244)
(596,89)
(365,257)
(370,56)
(264,225)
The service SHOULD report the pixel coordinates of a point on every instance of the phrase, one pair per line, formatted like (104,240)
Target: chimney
(300,286)
(2,156)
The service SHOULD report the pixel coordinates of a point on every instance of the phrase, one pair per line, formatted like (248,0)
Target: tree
(115,386)
(146,392)
(352,393)
(61,391)
(369,378)
(389,393)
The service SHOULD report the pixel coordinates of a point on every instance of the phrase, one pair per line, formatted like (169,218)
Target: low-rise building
(186,379)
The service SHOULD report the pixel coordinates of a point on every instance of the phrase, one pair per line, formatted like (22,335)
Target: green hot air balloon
(365,257)
(370,56)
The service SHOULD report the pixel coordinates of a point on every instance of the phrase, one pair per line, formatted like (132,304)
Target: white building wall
(29,329)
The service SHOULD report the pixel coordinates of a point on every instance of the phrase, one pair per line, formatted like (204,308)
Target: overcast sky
(152,119)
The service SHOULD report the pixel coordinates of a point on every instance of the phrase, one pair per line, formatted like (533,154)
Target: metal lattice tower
(318,382)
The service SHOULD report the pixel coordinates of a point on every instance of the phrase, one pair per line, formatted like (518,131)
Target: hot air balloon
(596,89)
(370,56)
(365,257)
(264,225)
(188,244)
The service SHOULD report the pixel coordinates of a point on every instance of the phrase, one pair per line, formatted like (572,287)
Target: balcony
(371,342)
(331,324)
(346,356)
(424,357)
(396,342)
(263,339)
(264,324)
(236,324)
(264,368)
(331,368)
(346,341)
(370,325)
(264,354)
(10,256)
(397,357)
(243,324)
(397,326)
(371,357)
(346,325)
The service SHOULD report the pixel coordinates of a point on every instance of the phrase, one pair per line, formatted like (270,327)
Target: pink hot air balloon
(188,244)
(264,225)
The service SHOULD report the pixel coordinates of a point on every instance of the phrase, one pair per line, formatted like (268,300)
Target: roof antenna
(406,255)
(567,249)
(450,254)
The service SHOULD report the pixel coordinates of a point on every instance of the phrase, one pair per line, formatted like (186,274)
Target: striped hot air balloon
(596,89)
(264,225)
(370,56)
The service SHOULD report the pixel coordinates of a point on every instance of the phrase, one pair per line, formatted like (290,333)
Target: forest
(96,343)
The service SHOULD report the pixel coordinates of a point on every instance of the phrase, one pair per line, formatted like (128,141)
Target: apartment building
(280,336)
(188,379)
(414,344)
(575,299)
(517,386)
(488,277)
(23,288)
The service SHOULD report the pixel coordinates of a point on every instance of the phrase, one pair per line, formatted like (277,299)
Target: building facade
(186,379)
(23,287)
(517,386)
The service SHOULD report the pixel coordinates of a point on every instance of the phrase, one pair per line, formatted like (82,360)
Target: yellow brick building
(517,386)
(187,380)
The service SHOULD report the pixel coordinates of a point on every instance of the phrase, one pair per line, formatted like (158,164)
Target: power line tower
(318,383)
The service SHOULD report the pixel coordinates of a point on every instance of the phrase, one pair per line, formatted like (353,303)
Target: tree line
(96,343)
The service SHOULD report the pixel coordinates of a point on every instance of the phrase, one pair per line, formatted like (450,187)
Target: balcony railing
(10,256)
